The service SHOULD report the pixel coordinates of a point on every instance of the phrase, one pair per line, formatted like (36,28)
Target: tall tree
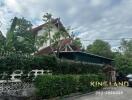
(10,36)
(48,19)
(126,47)
(2,41)
(123,63)
(54,40)
(19,37)
(24,38)
(123,60)
(101,48)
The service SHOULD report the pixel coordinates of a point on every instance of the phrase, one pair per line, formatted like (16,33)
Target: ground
(120,93)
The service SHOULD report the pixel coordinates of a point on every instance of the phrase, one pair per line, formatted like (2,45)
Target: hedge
(59,85)
(15,61)
(84,82)
(71,67)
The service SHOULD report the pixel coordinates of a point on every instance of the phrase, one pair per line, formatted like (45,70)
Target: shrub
(84,82)
(52,86)
(15,61)
(59,85)
(72,67)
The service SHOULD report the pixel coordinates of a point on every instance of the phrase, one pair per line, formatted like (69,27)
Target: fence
(17,89)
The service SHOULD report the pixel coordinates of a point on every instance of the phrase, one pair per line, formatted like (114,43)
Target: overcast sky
(90,19)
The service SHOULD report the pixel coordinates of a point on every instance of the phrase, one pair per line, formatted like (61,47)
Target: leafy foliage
(24,38)
(123,64)
(59,85)
(53,39)
(126,47)
(71,67)
(77,42)
(11,61)
(123,60)
(84,82)
(2,41)
(10,36)
(16,60)
(52,86)
(101,48)
(19,37)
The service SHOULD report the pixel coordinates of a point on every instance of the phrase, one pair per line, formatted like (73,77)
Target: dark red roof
(63,43)
(46,50)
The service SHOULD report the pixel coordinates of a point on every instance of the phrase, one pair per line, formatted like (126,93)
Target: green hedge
(59,85)
(84,82)
(71,67)
(15,61)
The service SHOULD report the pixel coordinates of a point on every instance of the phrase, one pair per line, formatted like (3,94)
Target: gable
(56,24)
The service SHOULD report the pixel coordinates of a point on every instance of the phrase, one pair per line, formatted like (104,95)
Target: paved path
(119,93)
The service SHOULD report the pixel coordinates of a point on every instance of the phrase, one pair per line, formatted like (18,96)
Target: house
(65,42)
(66,48)
(56,26)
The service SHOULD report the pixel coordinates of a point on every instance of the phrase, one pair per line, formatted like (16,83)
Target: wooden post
(110,73)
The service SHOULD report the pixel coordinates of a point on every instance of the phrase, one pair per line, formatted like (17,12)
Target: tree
(40,40)
(24,38)
(101,48)
(2,40)
(54,40)
(19,37)
(77,42)
(10,36)
(48,19)
(126,47)
(123,60)
(123,63)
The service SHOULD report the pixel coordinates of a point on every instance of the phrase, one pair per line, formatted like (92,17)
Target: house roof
(87,54)
(56,22)
(62,43)
(84,57)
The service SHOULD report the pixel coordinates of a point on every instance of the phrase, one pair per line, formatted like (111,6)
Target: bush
(59,85)
(52,86)
(84,82)
(72,67)
(16,61)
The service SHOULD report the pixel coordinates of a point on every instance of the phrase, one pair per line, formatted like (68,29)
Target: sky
(110,20)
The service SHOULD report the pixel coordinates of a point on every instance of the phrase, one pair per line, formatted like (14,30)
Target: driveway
(118,93)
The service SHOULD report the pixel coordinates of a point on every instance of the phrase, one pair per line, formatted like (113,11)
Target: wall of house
(43,31)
